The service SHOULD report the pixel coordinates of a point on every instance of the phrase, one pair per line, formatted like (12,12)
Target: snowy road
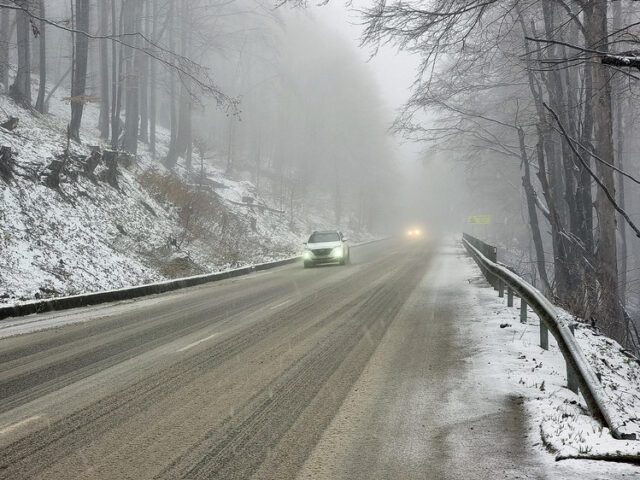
(368,371)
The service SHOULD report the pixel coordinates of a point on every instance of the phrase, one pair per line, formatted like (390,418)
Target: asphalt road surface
(355,372)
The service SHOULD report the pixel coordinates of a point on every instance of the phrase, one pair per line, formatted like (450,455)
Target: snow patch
(538,377)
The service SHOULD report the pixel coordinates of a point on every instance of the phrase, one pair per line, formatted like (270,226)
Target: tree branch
(593,175)
(183,65)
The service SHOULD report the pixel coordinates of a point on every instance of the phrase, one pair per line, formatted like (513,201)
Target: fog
(376,115)
(332,239)
(288,98)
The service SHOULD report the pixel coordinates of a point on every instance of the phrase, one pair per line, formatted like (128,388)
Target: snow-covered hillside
(87,233)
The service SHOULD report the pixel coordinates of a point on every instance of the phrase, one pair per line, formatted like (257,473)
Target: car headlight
(337,252)
(306,255)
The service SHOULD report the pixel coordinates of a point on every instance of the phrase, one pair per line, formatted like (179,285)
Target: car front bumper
(318,260)
(311,257)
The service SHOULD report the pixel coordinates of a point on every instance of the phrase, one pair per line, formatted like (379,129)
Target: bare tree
(21,88)
(143,134)
(172,155)
(103,119)
(132,17)
(42,67)
(79,73)
(116,75)
(153,88)
(5,28)
(473,35)
(595,21)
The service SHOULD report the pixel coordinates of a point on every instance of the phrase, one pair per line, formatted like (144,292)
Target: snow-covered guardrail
(577,364)
(87,299)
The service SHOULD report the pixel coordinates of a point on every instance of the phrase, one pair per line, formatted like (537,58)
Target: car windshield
(321,237)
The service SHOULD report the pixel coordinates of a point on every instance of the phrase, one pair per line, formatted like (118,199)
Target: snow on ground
(89,236)
(65,241)
(559,418)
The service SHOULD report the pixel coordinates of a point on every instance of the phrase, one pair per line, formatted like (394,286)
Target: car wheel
(307,264)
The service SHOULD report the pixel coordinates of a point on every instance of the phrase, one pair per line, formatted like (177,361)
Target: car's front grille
(322,252)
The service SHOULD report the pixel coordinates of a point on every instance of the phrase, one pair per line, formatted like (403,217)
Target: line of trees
(121,44)
(553,86)
(288,107)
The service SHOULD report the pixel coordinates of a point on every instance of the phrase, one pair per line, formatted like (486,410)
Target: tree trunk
(533,214)
(609,313)
(79,78)
(172,155)
(132,120)
(584,190)
(21,89)
(562,178)
(144,80)
(105,103)
(620,137)
(116,76)
(40,104)
(184,135)
(545,150)
(621,201)
(5,30)
(153,99)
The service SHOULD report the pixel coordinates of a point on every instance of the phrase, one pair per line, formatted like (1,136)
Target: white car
(327,246)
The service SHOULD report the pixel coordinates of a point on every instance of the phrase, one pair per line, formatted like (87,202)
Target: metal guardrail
(488,251)
(578,369)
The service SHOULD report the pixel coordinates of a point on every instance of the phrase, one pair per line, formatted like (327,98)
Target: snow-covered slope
(87,234)
(537,378)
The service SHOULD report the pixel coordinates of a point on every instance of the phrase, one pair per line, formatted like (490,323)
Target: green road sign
(479,219)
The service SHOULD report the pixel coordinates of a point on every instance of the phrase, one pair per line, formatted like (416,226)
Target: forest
(536,102)
(238,81)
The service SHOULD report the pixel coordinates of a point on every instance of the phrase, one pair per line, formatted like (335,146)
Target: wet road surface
(353,372)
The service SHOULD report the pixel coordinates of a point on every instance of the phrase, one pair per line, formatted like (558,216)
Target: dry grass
(202,215)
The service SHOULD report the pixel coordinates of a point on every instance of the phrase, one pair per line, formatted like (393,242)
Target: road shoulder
(431,404)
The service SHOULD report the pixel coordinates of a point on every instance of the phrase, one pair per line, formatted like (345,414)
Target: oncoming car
(414,233)
(327,246)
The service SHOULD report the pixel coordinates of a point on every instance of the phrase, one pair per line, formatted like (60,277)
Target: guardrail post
(523,311)
(544,336)
(509,297)
(500,288)
(572,380)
